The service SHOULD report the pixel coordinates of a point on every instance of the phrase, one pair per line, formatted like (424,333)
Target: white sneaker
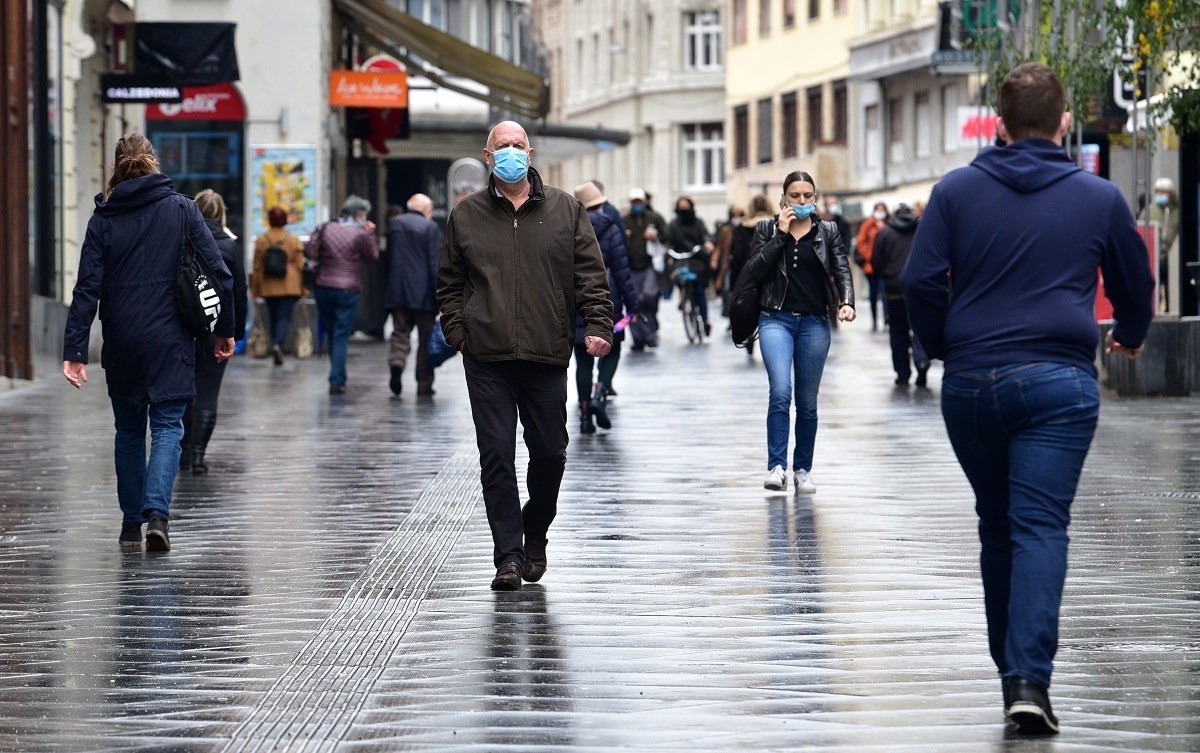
(803,483)
(776,479)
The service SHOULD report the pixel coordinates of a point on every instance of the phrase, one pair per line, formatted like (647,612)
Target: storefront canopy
(439,56)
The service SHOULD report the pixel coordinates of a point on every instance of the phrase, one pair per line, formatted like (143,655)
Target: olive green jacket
(510,282)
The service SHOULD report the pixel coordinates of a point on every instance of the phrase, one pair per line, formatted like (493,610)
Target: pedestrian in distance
(200,418)
(1164,210)
(518,261)
(414,250)
(889,256)
(800,261)
(127,269)
(613,215)
(1001,286)
(277,276)
(643,227)
(833,213)
(340,248)
(864,245)
(723,257)
(614,248)
(684,233)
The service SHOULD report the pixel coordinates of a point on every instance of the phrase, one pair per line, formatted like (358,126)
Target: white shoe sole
(1031,719)
(775,487)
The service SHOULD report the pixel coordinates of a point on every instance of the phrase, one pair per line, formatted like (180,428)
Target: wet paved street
(328,589)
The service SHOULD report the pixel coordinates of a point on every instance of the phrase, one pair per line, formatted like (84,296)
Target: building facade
(653,68)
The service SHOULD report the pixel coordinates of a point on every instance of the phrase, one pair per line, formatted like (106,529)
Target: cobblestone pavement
(328,589)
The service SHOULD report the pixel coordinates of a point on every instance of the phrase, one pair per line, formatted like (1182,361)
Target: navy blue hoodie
(1003,267)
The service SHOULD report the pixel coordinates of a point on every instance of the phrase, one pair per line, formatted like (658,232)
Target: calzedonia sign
(119,88)
(387,89)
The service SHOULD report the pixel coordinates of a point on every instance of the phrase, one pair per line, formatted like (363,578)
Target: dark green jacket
(511,282)
(635,229)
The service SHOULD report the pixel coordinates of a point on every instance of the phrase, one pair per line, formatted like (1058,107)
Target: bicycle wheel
(691,320)
(698,324)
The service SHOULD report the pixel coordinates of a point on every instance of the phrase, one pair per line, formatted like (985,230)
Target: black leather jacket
(767,264)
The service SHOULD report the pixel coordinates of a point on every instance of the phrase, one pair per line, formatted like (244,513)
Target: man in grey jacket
(519,260)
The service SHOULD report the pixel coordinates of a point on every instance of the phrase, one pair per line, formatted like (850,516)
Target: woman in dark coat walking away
(615,248)
(128,267)
(201,416)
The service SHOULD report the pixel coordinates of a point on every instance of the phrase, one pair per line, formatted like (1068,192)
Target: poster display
(284,176)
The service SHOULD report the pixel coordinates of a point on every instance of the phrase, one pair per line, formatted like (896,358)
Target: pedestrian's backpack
(195,295)
(275,262)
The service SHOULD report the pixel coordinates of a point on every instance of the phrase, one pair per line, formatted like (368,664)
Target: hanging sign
(368,89)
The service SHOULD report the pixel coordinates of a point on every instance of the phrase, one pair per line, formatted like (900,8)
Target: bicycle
(684,278)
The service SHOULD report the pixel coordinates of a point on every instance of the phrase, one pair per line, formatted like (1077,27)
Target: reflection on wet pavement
(328,589)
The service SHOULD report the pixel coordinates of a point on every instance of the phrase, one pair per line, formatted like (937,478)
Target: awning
(438,56)
(185,54)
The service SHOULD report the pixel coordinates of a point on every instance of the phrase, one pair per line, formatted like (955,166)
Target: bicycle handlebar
(685,254)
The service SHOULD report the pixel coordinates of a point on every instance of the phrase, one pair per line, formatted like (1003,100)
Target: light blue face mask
(512,164)
(803,210)
(1161,199)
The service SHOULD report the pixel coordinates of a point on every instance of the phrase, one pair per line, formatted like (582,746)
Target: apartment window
(704,156)
(789,13)
(741,136)
(814,10)
(432,12)
(873,143)
(841,113)
(764,17)
(596,72)
(739,21)
(895,114)
(950,119)
(922,125)
(816,114)
(766,133)
(839,7)
(579,66)
(789,124)
(702,40)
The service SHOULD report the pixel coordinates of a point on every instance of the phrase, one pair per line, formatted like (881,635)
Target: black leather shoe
(394,384)
(157,538)
(1028,707)
(535,560)
(131,535)
(337,389)
(508,577)
(922,376)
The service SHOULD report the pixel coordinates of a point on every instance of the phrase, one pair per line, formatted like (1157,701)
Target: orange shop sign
(368,89)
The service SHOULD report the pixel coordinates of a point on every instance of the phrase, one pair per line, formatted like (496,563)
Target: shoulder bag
(745,304)
(198,302)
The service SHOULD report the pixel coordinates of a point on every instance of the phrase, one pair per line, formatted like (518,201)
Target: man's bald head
(507,133)
(419,202)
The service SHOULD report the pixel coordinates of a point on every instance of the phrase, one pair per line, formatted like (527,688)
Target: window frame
(702,40)
(703,154)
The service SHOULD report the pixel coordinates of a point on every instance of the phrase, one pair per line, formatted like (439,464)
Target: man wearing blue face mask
(519,260)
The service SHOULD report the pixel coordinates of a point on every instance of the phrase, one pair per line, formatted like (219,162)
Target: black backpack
(195,295)
(275,262)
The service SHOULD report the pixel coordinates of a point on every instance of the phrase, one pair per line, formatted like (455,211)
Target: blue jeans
(336,308)
(1021,433)
(144,487)
(798,342)
(280,309)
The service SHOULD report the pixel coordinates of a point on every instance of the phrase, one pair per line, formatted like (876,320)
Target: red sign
(1149,233)
(216,102)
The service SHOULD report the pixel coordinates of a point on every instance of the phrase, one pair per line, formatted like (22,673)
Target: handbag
(745,305)
(198,302)
(304,334)
(312,265)
(440,351)
(258,342)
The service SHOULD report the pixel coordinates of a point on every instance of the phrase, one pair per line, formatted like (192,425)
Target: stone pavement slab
(328,589)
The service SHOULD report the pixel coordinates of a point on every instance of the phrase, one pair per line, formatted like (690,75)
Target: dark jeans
(336,309)
(280,308)
(875,295)
(585,365)
(1021,433)
(209,373)
(903,340)
(144,486)
(500,392)
(403,321)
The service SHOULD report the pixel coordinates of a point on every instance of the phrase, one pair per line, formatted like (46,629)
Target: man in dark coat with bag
(128,268)
(414,250)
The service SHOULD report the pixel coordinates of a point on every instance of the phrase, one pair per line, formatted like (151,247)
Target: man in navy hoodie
(1001,285)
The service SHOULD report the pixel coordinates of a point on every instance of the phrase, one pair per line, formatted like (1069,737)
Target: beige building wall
(769,60)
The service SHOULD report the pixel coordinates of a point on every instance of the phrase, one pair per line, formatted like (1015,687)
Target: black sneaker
(157,538)
(131,535)
(508,577)
(1028,707)
(337,389)
(394,384)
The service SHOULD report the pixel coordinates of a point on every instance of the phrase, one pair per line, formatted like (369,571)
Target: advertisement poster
(284,176)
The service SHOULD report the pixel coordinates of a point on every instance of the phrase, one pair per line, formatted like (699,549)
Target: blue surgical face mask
(512,164)
(803,210)
(1161,199)
(638,208)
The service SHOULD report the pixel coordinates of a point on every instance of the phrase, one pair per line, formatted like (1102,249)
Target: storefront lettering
(198,104)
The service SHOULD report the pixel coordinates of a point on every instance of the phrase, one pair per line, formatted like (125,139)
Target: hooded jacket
(1003,267)
(511,280)
(127,266)
(231,253)
(891,249)
(614,247)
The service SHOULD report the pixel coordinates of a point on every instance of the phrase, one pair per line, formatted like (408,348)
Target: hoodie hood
(903,222)
(135,193)
(1027,166)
